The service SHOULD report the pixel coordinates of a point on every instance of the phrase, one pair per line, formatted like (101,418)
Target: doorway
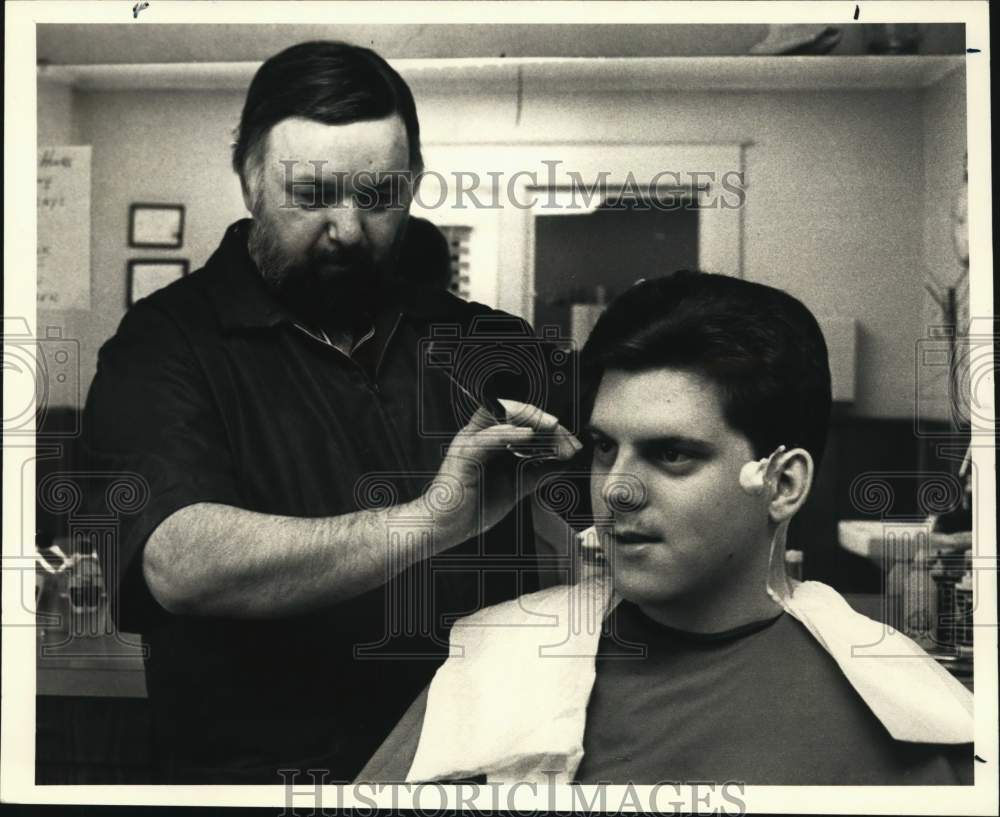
(585,259)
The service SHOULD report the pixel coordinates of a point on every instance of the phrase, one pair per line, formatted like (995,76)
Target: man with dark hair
(762,348)
(284,570)
(708,400)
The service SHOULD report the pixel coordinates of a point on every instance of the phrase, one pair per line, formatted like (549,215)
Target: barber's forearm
(217,560)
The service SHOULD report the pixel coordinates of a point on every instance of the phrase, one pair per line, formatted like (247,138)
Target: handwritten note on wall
(64,227)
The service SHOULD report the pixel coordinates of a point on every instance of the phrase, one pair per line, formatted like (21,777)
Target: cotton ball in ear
(752,477)
(757,476)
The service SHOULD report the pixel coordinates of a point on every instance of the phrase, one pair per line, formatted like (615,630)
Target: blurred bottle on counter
(85,592)
(51,607)
(951,569)
(952,573)
(963,614)
(793,564)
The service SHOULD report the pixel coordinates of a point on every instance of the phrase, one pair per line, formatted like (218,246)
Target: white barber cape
(511,700)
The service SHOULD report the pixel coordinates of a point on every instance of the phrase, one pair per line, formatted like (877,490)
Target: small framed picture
(156,225)
(146,275)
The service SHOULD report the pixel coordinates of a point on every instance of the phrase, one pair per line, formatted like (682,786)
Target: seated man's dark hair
(330,82)
(759,345)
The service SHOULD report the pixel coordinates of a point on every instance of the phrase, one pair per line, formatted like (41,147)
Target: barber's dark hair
(327,81)
(759,345)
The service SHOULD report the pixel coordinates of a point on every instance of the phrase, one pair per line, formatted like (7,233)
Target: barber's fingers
(496,436)
(486,430)
(518,414)
(524,414)
(527,441)
(481,419)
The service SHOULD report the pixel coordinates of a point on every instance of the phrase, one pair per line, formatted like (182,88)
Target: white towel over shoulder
(511,700)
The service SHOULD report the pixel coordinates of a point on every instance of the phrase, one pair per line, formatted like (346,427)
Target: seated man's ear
(795,476)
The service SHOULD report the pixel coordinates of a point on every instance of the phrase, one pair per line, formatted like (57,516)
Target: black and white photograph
(486,406)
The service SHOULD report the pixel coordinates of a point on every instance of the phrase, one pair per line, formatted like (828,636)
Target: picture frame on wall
(159,226)
(146,275)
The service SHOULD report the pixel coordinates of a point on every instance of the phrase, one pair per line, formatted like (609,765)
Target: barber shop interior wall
(836,199)
(152,147)
(834,210)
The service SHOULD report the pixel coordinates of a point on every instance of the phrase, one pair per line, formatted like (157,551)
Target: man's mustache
(349,257)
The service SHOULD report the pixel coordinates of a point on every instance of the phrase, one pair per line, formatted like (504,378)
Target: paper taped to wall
(63,227)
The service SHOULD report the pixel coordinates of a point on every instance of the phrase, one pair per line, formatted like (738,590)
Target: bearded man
(283,572)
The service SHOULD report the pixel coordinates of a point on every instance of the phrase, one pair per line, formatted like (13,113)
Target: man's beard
(340,290)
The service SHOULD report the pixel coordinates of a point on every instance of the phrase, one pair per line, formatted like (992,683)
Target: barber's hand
(480,480)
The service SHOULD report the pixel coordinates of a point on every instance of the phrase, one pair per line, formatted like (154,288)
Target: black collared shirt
(211,393)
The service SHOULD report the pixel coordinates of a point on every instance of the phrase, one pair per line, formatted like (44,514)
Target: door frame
(490,187)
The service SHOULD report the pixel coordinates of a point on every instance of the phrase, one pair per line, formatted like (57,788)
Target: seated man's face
(321,236)
(665,476)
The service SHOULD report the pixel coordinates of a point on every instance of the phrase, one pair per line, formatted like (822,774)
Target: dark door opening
(592,257)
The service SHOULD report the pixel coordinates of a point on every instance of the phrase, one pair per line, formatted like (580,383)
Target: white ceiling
(65,44)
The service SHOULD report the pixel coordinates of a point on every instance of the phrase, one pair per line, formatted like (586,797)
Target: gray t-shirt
(763,704)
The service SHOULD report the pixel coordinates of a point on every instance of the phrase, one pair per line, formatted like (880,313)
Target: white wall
(945,144)
(56,115)
(835,213)
(147,147)
(944,150)
(834,201)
